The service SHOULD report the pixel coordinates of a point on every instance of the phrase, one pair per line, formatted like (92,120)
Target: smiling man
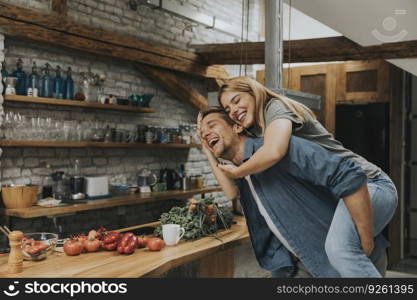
(289,207)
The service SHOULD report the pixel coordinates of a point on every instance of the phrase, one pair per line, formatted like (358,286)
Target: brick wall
(27,165)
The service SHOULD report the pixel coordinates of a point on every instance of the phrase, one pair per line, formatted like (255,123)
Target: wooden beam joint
(60,7)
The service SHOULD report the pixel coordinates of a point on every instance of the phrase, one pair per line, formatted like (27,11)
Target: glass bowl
(38,245)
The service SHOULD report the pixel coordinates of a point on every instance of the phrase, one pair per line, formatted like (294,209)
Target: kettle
(171,178)
(58,189)
(146,179)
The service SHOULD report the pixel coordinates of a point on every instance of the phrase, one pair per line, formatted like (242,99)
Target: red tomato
(111,237)
(127,244)
(142,241)
(91,245)
(73,247)
(155,244)
(110,246)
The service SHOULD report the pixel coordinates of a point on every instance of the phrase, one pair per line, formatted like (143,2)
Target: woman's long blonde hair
(262,96)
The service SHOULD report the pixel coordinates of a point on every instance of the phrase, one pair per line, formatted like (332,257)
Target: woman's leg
(343,244)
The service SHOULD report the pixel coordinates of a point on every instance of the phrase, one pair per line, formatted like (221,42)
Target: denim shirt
(300,194)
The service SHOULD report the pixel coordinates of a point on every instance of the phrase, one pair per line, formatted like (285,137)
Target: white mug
(172,233)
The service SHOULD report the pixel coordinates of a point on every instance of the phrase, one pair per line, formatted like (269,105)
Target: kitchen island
(214,254)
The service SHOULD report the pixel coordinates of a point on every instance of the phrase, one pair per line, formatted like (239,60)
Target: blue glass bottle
(46,87)
(21,84)
(58,84)
(69,86)
(33,84)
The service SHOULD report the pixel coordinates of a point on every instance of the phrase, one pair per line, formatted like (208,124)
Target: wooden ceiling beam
(29,24)
(308,50)
(174,86)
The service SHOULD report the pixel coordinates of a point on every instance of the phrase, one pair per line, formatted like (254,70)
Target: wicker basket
(19,196)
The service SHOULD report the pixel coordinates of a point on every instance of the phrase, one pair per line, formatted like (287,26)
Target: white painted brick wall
(27,165)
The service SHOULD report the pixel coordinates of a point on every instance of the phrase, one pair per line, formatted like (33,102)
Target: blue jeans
(343,246)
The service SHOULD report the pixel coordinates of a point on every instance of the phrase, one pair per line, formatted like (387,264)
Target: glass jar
(186,137)
(165,135)
(194,135)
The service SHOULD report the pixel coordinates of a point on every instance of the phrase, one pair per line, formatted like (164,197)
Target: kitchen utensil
(50,239)
(15,261)
(58,189)
(135,99)
(19,196)
(96,186)
(123,101)
(171,178)
(145,100)
(77,187)
(146,179)
(172,234)
(119,190)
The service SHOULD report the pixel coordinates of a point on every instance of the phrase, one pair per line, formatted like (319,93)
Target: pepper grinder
(15,263)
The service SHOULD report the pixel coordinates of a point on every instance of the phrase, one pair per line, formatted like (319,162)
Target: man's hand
(231,171)
(203,142)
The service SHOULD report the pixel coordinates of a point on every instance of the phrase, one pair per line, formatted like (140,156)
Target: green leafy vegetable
(199,218)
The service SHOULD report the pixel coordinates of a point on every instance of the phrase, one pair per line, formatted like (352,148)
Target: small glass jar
(199,182)
(165,135)
(185,134)
(194,135)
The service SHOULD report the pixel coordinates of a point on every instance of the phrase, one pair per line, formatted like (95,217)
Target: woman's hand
(231,171)
(367,246)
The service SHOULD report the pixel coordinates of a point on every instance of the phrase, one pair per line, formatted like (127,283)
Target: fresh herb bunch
(199,218)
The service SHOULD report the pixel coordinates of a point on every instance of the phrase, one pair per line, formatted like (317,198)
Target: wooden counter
(38,211)
(216,259)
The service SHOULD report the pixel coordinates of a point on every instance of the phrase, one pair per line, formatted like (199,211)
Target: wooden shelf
(75,103)
(38,211)
(60,144)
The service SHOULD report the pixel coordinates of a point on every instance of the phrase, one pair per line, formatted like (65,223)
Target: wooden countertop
(38,211)
(142,263)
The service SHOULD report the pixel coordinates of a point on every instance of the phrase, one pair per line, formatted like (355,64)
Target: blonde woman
(276,118)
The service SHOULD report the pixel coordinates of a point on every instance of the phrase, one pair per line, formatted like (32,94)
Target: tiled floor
(406,268)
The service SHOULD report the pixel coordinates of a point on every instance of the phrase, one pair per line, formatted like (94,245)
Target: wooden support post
(60,7)
(396,161)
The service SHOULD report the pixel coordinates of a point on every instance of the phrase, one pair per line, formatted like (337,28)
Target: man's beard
(227,152)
